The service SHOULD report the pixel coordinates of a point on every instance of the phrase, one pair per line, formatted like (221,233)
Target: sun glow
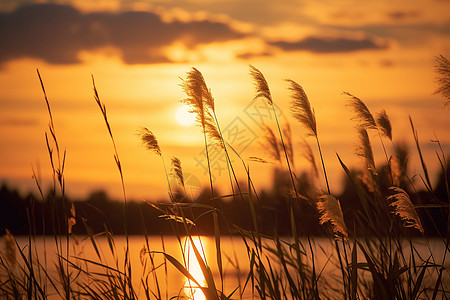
(184,117)
(191,289)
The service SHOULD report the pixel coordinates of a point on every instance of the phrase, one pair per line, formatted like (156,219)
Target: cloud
(250,55)
(329,45)
(401,15)
(57,34)
(18,122)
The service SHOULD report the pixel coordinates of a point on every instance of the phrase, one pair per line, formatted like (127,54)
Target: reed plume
(397,173)
(271,144)
(384,124)
(201,103)
(399,164)
(198,81)
(364,149)
(384,128)
(213,132)
(302,111)
(442,69)
(330,211)
(177,172)
(363,114)
(71,221)
(301,108)
(262,88)
(150,141)
(192,87)
(309,156)
(404,208)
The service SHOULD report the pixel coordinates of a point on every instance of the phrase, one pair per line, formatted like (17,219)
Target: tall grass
(374,254)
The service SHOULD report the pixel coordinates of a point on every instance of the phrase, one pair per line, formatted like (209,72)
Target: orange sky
(382,52)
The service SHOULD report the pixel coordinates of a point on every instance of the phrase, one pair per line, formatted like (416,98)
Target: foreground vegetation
(373,241)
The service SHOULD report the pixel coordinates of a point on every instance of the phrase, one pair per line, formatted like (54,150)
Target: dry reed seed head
(443,79)
(330,211)
(209,100)
(149,140)
(212,131)
(396,171)
(301,108)
(71,221)
(384,124)
(402,155)
(200,89)
(195,109)
(177,219)
(287,134)
(192,87)
(202,104)
(362,113)
(262,88)
(309,156)
(195,87)
(176,170)
(404,208)
(272,144)
(364,149)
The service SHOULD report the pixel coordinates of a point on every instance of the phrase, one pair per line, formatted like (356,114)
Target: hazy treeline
(22,214)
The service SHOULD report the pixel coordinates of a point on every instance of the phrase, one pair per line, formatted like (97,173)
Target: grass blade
(354,274)
(218,248)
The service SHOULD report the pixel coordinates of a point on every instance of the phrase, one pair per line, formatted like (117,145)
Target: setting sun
(184,117)
(386,58)
(286,135)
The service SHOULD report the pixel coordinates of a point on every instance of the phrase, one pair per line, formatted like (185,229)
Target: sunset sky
(380,51)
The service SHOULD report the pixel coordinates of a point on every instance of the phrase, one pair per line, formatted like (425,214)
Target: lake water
(234,257)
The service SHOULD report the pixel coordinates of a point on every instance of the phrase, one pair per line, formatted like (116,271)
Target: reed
(384,123)
(404,208)
(302,112)
(263,91)
(201,104)
(330,210)
(372,239)
(127,278)
(442,69)
(272,145)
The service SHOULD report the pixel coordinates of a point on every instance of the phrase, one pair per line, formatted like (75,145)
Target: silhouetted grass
(375,254)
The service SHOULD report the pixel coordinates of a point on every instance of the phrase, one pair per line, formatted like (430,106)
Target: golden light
(191,289)
(184,117)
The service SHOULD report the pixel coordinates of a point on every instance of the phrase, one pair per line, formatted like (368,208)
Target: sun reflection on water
(190,288)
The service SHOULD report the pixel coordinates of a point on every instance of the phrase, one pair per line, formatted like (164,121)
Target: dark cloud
(401,15)
(250,55)
(57,33)
(406,35)
(329,45)
(18,122)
